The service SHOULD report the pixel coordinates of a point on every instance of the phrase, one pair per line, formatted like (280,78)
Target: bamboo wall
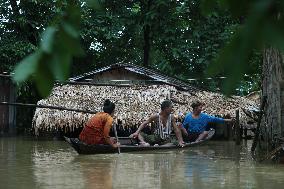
(282,105)
(7,113)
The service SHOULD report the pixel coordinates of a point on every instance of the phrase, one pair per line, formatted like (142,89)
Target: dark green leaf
(70,30)
(60,66)
(26,67)
(44,79)
(208,6)
(95,4)
(48,39)
(237,7)
(273,34)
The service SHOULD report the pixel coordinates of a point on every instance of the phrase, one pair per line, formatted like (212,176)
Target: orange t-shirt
(97,129)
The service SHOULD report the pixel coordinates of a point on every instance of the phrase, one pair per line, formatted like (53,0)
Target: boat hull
(83,148)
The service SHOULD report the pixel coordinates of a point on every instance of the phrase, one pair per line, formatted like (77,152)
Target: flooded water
(26,163)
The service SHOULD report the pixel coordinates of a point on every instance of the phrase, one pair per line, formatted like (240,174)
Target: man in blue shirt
(195,124)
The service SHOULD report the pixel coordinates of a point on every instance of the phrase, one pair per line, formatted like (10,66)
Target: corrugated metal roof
(153,74)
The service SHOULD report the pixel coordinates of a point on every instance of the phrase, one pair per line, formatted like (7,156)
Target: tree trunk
(146,47)
(145,6)
(272,125)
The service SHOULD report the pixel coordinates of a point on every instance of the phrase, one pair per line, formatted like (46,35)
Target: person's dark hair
(165,104)
(196,103)
(108,106)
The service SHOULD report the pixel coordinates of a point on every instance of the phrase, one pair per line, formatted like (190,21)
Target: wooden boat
(125,146)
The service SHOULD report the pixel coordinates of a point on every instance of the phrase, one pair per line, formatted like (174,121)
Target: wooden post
(12,110)
(231,131)
(226,131)
(246,133)
(255,139)
(237,128)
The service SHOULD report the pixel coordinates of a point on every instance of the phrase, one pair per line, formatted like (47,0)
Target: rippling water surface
(25,163)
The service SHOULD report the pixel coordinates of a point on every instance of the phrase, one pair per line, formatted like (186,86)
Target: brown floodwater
(26,163)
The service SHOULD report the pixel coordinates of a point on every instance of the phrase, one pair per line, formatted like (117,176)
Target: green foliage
(49,42)
(182,39)
(20,27)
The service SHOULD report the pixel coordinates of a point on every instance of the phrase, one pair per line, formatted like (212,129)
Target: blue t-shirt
(199,125)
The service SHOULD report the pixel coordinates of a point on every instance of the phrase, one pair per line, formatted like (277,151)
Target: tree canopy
(71,37)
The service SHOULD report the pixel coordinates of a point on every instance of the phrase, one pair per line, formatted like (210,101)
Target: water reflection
(15,164)
(53,167)
(96,171)
(147,170)
(53,164)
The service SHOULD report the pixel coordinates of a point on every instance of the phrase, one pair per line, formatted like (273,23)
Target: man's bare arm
(177,132)
(142,126)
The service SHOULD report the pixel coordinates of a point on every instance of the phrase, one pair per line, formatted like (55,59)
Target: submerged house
(137,93)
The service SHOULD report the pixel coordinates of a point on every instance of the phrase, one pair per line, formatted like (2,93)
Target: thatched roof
(133,104)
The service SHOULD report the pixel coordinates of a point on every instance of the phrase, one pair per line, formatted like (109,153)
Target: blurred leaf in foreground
(262,27)
(52,61)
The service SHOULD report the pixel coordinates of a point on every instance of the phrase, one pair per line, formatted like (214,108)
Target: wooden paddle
(115,133)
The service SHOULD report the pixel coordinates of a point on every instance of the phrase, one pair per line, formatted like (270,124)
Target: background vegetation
(55,39)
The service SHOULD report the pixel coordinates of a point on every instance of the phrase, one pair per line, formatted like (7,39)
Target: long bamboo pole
(46,106)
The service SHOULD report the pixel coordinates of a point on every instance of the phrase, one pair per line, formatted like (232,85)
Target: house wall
(272,125)
(7,113)
(282,105)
